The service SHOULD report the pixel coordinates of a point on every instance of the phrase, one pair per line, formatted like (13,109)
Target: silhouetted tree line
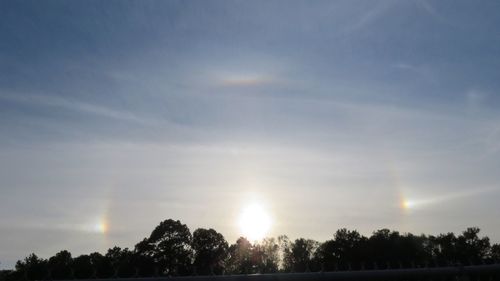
(172,250)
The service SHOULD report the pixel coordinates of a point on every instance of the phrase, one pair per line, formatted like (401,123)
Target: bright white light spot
(101,227)
(254,222)
(407,204)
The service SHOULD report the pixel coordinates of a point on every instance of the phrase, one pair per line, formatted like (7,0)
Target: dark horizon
(172,250)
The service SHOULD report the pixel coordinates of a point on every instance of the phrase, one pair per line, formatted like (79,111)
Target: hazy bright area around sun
(255,118)
(254,222)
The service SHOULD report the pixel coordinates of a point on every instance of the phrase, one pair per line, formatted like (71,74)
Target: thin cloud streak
(73,105)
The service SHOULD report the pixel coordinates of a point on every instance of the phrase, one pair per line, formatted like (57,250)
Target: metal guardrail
(491,271)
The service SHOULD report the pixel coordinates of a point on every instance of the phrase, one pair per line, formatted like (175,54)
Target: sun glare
(254,222)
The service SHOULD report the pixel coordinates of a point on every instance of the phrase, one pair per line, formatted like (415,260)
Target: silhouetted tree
(60,265)
(6,275)
(121,261)
(382,245)
(285,252)
(32,268)
(211,250)
(171,249)
(495,252)
(144,258)
(390,247)
(170,246)
(82,266)
(240,257)
(444,248)
(266,255)
(410,248)
(3,274)
(346,247)
(298,256)
(101,265)
(471,248)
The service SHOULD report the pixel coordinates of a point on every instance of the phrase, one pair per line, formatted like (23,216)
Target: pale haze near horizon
(116,115)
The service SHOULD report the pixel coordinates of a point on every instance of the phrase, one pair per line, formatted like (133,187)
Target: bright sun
(254,222)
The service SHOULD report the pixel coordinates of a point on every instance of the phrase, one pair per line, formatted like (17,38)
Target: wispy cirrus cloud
(73,105)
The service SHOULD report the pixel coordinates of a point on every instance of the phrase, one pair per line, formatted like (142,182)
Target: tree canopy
(171,250)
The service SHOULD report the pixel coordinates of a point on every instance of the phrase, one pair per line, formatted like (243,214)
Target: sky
(116,115)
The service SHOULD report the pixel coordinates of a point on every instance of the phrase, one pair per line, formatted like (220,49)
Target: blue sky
(330,114)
